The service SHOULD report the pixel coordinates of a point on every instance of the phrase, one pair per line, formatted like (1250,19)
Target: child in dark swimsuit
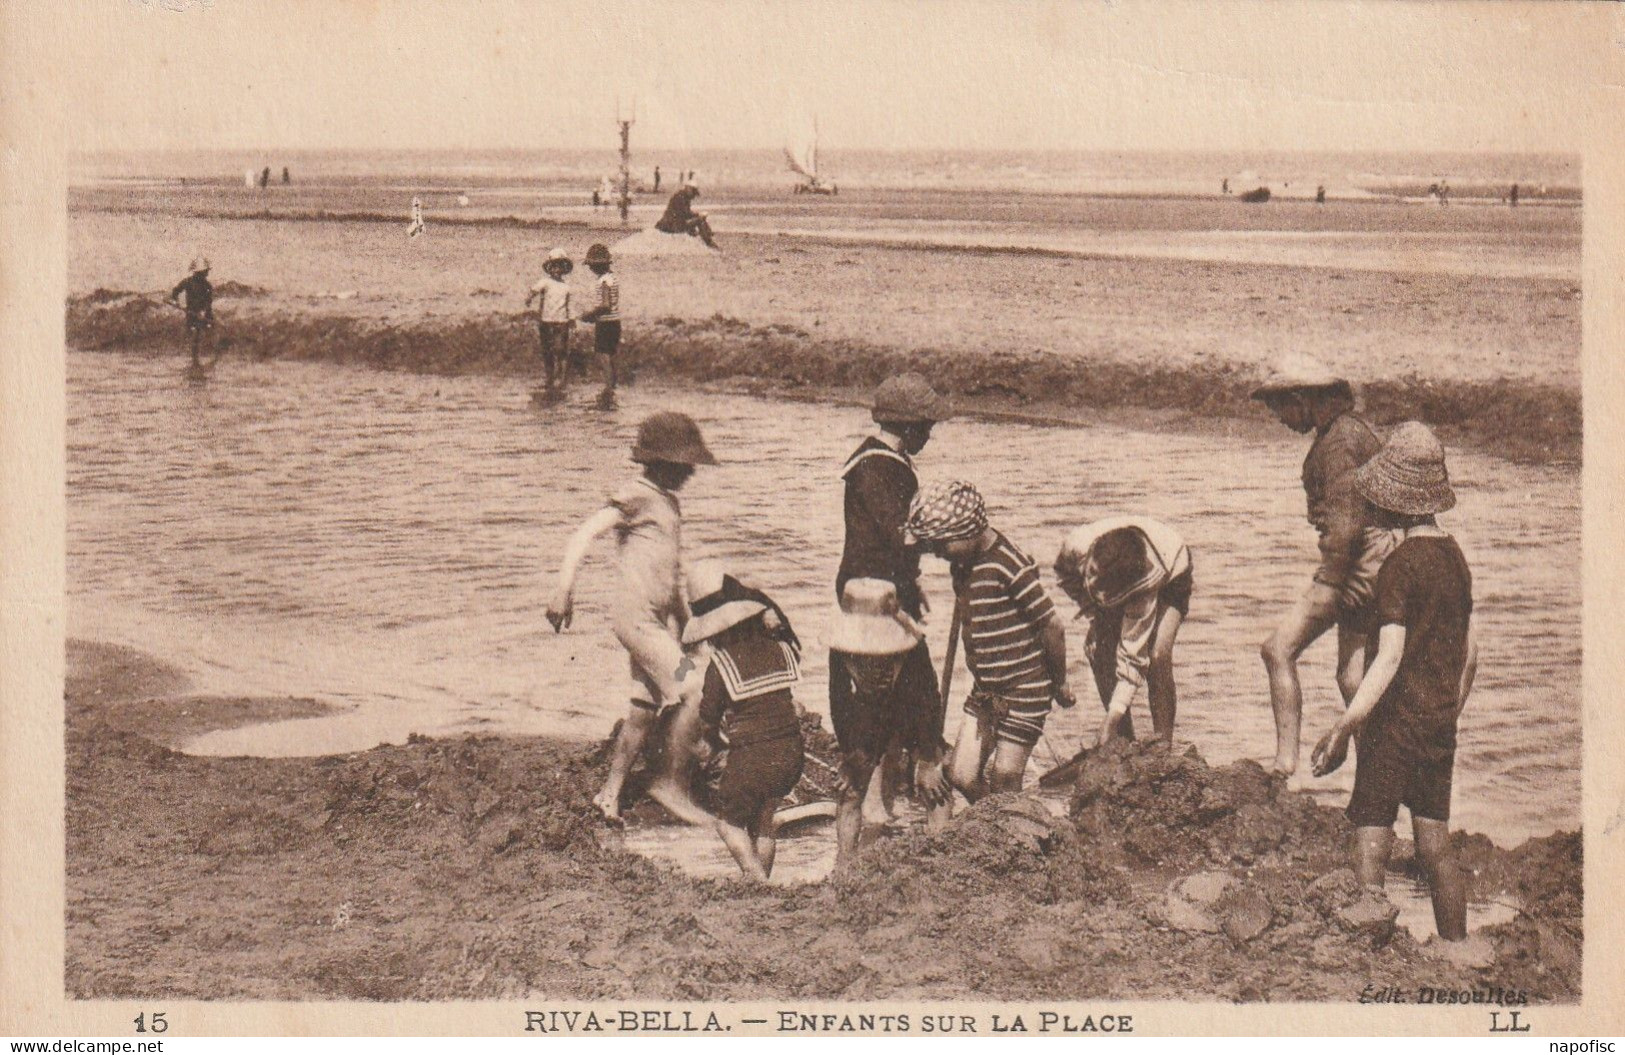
(746,709)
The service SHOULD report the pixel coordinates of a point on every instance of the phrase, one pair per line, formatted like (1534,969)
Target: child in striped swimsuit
(606,317)
(1015,644)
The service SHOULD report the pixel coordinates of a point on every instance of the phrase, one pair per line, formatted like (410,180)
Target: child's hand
(931,782)
(1330,753)
(559,611)
(1064,697)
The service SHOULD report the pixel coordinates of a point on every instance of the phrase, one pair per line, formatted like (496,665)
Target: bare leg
(1009,767)
(673,787)
(1445,879)
(548,365)
(740,844)
(610,377)
(1371,847)
(936,816)
(1310,617)
(1161,692)
(628,745)
(849,808)
(1350,659)
(767,836)
(197,337)
(970,756)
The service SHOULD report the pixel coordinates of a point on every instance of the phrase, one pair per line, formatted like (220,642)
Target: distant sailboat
(802,159)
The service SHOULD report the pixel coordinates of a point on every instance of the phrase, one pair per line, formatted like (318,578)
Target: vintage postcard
(837,518)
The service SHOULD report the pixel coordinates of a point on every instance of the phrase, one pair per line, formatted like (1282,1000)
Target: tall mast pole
(626,157)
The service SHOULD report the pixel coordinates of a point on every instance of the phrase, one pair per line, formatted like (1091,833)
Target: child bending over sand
(1131,576)
(1014,644)
(746,709)
(1423,659)
(650,608)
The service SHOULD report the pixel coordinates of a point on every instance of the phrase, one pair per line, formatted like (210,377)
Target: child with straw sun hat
(746,709)
(553,321)
(1421,669)
(875,638)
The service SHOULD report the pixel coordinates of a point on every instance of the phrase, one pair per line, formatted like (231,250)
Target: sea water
(386,543)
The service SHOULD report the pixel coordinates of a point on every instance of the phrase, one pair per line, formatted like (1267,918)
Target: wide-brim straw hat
(909,399)
(556,258)
(1408,475)
(869,621)
(597,253)
(1296,372)
(200,263)
(670,436)
(717,602)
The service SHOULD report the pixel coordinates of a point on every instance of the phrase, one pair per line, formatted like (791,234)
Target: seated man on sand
(680,217)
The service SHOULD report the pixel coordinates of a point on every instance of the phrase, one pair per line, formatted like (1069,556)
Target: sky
(952,74)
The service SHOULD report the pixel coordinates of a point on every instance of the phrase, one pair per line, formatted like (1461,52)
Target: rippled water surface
(386,543)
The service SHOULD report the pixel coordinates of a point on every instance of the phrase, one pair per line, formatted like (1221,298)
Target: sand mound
(1157,807)
(651,243)
(459,792)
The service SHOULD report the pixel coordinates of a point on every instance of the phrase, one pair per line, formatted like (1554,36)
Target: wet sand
(470,868)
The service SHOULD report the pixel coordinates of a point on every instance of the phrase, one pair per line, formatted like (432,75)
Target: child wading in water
(553,321)
(1015,645)
(606,317)
(1306,397)
(876,639)
(650,609)
(1131,576)
(746,709)
(199,306)
(1421,669)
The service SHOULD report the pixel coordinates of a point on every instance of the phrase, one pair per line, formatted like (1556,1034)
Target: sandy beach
(1467,317)
(470,868)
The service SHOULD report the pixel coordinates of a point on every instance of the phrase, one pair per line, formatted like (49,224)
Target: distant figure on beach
(605,318)
(1320,194)
(657,179)
(553,320)
(649,611)
(1015,645)
(680,217)
(1224,187)
(199,306)
(1306,397)
(1512,198)
(872,707)
(1422,661)
(249,179)
(416,227)
(286,179)
(1131,576)
(747,713)
(265,177)
(605,194)
(1444,192)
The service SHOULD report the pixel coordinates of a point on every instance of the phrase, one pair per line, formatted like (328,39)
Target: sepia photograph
(819,518)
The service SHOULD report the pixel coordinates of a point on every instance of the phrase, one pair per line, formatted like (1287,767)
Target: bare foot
(679,803)
(609,808)
(1475,950)
(1284,767)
